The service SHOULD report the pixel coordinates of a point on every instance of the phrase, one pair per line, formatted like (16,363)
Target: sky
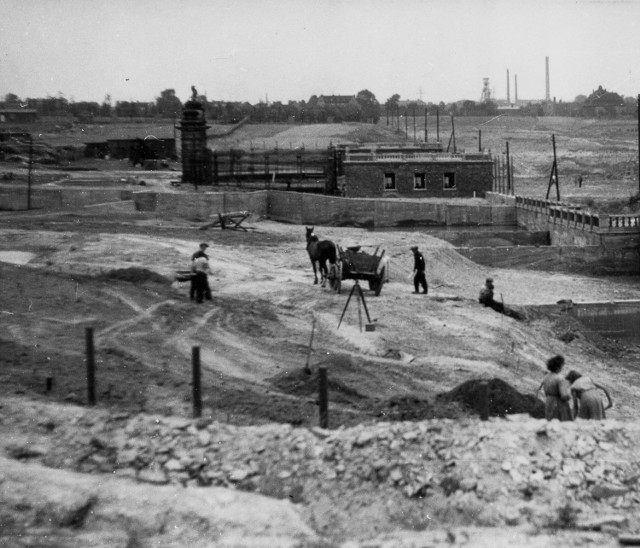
(281,50)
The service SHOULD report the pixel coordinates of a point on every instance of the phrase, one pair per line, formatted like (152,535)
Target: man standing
(200,254)
(199,283)
(419,277)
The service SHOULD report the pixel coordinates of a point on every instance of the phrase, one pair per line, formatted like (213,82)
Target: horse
(320,252)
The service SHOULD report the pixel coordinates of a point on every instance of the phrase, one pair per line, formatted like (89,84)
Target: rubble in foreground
(356,483)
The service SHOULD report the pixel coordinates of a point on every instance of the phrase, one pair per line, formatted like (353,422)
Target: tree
(393,100)
(370,106)
(11,99)
(168,104)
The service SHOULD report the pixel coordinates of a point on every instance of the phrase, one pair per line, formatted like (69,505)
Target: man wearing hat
(199,269)
(419,277)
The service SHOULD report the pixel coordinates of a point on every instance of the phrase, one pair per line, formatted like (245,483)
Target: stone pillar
(196,165)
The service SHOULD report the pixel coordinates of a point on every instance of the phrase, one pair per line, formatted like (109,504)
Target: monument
(196,168)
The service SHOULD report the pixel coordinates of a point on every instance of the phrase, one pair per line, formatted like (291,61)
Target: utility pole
(453,133)
(638,172)
(414,123)
(30,170)
(508,170)
(438,125)
(426,133)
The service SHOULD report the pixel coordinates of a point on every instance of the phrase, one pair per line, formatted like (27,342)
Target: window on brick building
(449,181)
(419,181)
(389,181)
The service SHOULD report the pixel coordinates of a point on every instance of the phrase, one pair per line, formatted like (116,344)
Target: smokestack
(516,90)
(508,94)
(548,94)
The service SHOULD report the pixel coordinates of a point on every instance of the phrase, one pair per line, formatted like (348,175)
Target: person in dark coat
(199,281)
(194,283)
(486,298)
(419,267)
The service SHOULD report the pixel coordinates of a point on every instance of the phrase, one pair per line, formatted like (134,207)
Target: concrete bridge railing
(573,216)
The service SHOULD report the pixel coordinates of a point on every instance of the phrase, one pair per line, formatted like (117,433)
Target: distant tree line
(361,107)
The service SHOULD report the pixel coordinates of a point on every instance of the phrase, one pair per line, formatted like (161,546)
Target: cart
(353,264)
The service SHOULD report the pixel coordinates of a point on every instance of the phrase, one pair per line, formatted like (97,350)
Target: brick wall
(366,179)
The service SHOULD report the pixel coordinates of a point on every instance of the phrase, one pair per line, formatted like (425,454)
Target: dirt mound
(503,398)
(135,275)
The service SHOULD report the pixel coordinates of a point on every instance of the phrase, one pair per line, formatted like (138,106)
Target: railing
(415,156)
(624,221)
(572,215)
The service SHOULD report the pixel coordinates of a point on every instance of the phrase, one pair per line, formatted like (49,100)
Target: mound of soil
(135,275)
(503,398)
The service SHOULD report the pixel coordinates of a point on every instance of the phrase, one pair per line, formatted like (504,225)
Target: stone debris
(492,473)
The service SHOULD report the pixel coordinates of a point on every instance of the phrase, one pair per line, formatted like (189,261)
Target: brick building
(416,174)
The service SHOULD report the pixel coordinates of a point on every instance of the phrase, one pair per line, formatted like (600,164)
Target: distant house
(603,103)
(18,116)
(422,172)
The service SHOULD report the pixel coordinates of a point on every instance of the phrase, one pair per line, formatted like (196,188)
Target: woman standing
(556,391)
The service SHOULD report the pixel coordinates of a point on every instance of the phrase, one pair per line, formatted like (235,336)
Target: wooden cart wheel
(379,282)
(336,280)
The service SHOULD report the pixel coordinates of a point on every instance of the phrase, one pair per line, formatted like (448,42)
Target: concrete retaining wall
(202,205)
(15,199)
(314,209)
(617,319)
(591,259)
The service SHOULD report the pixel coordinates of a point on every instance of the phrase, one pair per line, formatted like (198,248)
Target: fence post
(484,400)
(197,394)
(91,367)
(323,397)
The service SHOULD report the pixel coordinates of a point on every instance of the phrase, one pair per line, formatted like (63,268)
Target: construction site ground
(403,463)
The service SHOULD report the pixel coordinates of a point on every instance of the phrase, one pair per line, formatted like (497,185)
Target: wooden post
(484,400)
(197,394)
(307,370)
(479,140)
(91,367)
(323,397)
(513,182)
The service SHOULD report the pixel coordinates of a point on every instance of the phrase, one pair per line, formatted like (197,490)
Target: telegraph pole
(30,169)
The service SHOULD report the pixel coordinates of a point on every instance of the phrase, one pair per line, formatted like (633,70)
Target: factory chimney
(548,93)
(508,94)
(516,90)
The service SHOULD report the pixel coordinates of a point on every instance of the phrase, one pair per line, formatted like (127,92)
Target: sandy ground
(113,269)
